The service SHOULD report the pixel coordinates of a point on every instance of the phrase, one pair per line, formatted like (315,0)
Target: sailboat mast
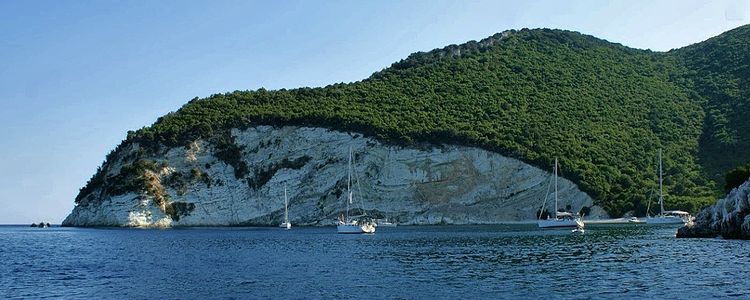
(349,184)
(661,191)
(286,209)
(555,187)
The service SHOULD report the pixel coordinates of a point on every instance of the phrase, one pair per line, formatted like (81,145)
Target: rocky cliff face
(729,218)
(239,180)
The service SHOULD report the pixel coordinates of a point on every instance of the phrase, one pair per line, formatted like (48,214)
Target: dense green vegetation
(720,70)
(602,108)
(736,177)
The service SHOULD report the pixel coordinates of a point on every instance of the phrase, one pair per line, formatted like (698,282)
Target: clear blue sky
(75,76)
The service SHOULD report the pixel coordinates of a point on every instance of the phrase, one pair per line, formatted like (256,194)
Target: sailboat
(666,216)
(385,223)
(560,219)
(345,223)
(286,223)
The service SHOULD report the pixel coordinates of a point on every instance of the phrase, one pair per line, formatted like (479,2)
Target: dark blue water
(510,261)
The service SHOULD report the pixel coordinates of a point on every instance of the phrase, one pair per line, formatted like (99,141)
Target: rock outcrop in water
(728,218)
(239,179)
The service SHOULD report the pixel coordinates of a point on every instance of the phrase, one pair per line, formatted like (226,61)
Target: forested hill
(720,71)
(604,109)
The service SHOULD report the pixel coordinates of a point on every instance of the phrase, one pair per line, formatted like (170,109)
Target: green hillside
(602,108)
(720,70)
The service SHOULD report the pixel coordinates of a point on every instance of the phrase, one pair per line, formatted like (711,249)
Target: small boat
(347,224)
(286,223)
(634,220)
(560,219)
(385,223)
(668,216)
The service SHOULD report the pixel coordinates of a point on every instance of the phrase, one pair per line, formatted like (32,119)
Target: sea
(517,261)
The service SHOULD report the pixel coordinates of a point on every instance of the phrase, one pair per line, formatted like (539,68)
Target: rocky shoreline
(728,218)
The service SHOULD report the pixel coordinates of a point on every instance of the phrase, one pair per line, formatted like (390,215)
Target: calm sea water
(508,261)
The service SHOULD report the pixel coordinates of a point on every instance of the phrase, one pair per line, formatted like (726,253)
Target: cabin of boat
(677,213)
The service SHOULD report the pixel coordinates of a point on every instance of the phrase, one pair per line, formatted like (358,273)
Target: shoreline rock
(728,218)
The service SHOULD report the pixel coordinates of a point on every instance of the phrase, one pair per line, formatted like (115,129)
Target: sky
(75,76)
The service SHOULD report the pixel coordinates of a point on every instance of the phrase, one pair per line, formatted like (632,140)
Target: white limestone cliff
(411,185)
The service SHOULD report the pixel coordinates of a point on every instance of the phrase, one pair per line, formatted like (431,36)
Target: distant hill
(604,109)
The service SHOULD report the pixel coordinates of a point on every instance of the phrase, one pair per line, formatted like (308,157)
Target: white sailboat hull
(286,225)
(665,220)
(355,228)
(560,223)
